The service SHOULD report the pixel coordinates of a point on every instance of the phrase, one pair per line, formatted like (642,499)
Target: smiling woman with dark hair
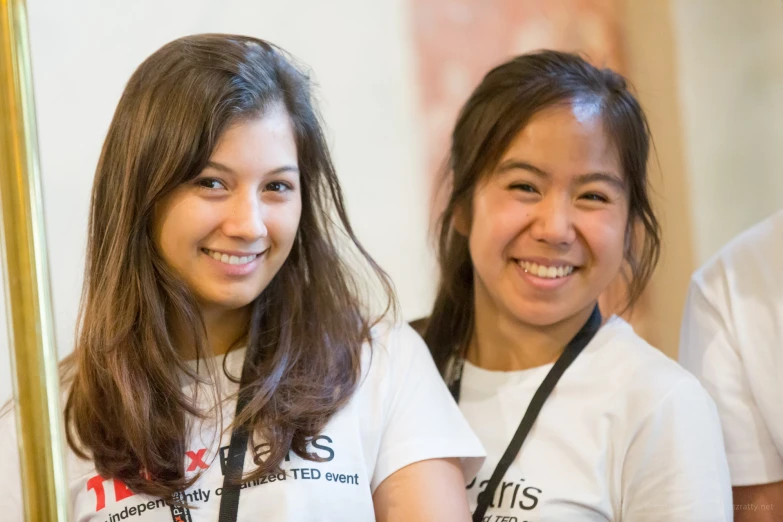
(225,365)
(581,418)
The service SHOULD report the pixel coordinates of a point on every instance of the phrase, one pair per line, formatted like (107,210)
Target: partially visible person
(549,204)
(732,340)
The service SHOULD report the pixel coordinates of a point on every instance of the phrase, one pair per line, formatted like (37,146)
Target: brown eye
(524,187)
(594,196)
(278,186)
(210,183)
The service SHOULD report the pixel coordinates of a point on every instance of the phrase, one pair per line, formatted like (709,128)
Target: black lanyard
(572,350)
(229,501)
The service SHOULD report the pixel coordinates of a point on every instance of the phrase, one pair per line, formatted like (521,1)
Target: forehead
(568,138)
(262,139)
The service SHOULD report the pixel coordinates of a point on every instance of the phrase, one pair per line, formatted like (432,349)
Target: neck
(223,327)
(503,343)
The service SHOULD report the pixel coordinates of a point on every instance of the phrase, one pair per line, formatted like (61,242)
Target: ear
(461,220)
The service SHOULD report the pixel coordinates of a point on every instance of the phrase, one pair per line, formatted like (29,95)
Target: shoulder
(643,375)
(394,350)
(394,359)
(746,263)
(627,352)
(415,417)
(394,343)
(389,331)
(762,238)
(736,301)
(667,428)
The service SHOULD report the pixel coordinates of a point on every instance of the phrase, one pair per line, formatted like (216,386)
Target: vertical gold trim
(33,355)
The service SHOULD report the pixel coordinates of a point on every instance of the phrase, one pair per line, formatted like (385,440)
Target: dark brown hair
(126,409)
(497,110)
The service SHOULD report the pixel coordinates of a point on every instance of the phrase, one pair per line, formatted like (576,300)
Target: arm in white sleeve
(423,421)
(675,467)
(709,351)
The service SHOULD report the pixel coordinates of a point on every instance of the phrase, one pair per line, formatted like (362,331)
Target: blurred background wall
(391,75)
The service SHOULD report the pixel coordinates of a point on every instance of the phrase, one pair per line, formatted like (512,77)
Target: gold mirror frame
(34,360)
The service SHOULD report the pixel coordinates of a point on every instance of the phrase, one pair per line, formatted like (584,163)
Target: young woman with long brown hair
(226,367)
(581,418)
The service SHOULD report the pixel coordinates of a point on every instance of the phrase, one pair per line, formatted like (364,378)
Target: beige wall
(651,59)
(731,93)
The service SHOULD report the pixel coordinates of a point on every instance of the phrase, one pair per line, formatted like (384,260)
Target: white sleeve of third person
(709,351)
(675,466)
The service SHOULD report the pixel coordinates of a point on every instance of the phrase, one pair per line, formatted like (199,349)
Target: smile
(546,272)
(230,259)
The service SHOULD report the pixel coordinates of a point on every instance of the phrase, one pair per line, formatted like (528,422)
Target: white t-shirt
(401,413)
(732,340)
(627,435)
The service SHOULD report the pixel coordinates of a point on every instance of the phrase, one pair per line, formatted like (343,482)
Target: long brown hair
(126,409)
(497,110)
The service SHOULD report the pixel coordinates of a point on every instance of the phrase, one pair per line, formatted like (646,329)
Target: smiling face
(228,231)
(547,228)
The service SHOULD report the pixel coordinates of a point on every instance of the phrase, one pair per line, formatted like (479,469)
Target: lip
(544,283)
(237,253)
(546,262)
(235,270)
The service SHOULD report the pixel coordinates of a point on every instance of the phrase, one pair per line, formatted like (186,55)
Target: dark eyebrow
(513,164)
(582,179)
(279,170)
(613,180)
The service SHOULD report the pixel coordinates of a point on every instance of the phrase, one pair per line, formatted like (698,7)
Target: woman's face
(547,228)
(227,232)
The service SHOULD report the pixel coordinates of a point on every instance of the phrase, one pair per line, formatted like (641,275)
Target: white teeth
(230,260)
(548,272)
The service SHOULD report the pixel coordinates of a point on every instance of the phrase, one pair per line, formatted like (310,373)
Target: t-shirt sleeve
(708,350)
(10,478)
(422,420)
(675,466)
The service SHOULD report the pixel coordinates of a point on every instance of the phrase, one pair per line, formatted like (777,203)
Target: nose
(553,221)
(245,219)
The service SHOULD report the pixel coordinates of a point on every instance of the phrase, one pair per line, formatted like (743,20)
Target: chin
(543,315)
(234,304)
(226,303)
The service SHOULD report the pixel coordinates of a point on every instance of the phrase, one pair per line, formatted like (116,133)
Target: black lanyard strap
(235,463)
(572,350)
(229,501)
